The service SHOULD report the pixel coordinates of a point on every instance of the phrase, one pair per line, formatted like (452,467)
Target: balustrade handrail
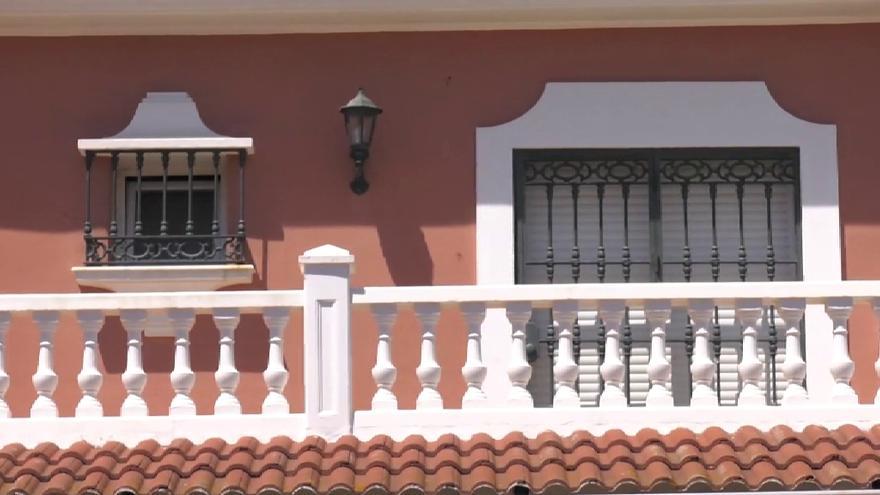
(540,295)
(247,301)
(545,295)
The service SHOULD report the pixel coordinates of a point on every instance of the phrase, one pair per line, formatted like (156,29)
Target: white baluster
(749,313)
(794,368)
(226,320)
(565,370)
(612,369)
(89,377)
(384,372)
(182,376)
(702,365)
(518,369)
(45,380)
(5,319)
(474,371)
(428,370)
(276,373)
(133,378)
(842,365)
(659,368)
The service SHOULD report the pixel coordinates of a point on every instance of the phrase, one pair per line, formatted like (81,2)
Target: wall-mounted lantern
(360,121)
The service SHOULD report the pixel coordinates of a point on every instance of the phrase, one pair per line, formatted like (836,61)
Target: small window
(656,215)
(171,207)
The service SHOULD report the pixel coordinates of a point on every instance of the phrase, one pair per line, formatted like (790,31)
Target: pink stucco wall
(416,225)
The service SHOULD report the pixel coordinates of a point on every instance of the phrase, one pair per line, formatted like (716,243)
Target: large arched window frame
(660,115)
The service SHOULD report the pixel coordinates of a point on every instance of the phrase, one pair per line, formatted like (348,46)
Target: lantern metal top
(361,102)
(166,121)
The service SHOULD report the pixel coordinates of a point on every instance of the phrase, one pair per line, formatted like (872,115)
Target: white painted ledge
(430,424)
(113,17)
(163,278)
(131,430)
(531,422)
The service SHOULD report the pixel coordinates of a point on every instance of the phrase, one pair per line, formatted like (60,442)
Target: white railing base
(500,422)
(398,425)
(65,431)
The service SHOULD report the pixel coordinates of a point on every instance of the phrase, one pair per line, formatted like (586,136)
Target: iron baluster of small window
(215,214)
(242,158)
(190,165)
(138,224)
(163,227)
(87,224)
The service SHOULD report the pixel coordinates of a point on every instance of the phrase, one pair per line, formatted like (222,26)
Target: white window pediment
(656,115)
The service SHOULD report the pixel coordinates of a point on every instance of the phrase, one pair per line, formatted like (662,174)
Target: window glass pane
(177,203)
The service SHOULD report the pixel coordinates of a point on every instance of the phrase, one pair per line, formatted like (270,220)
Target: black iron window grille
(655,215)
(166,207)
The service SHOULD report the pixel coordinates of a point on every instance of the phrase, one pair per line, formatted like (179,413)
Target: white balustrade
(659,368)
(327,302)
(276,373)
(474,371)
(90,377)
(5,319)
(565,370)
(612,369)
(842,366)
(428,370)
(226,320)
(702,365)
(794,368)
(134,379)
(45,380)
(384,372)
(519,370)
(749,313)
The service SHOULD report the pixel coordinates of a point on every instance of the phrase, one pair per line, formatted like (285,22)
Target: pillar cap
(327,254)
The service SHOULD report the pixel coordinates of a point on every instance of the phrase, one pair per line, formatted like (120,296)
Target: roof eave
(204,17)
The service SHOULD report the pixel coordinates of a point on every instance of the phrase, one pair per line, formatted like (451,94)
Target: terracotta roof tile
(747,459)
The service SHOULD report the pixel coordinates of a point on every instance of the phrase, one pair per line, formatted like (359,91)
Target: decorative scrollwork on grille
(686,171)
(728,171)
(176,249)
(585,172)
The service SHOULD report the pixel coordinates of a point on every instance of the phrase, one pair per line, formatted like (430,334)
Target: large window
(656,215)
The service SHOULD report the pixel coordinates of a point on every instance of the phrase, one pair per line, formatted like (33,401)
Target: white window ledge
(163,278)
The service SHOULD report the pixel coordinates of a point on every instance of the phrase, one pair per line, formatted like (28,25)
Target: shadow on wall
(406,252)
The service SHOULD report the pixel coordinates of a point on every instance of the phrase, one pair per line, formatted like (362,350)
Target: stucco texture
(416,224)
